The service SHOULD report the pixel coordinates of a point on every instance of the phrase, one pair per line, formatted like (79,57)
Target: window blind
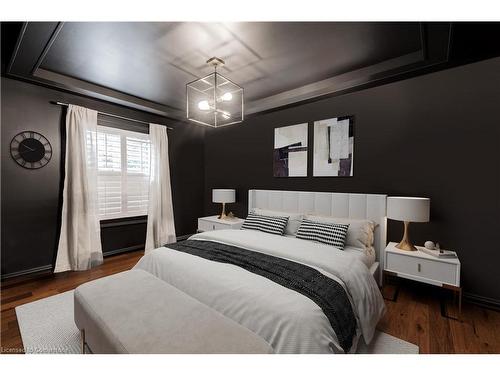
(123,170)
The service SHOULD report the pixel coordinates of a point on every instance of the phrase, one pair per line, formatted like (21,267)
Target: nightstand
(213,223)
(425,268)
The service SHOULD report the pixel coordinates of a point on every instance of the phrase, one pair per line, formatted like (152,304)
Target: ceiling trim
(103,93)
(49,44)
(16,48)
(338,83)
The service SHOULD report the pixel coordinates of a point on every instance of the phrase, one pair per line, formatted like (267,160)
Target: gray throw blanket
(327,293)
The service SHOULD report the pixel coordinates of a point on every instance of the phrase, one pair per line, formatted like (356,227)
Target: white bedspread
(287,320)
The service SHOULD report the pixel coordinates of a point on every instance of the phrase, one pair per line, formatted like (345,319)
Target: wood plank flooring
(415,315)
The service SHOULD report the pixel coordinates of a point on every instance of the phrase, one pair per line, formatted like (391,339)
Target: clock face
(30,150)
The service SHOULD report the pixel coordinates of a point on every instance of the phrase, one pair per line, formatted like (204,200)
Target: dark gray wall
(31,198)
(435,136)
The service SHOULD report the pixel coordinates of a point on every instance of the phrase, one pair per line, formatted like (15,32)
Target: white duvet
(287,320)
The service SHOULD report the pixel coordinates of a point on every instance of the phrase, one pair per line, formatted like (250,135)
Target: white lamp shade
(412,209)
(223,195)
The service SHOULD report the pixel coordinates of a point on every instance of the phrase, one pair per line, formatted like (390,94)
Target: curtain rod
(116,116)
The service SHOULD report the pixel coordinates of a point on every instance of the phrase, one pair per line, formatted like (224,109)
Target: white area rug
(47,326)
(383,343)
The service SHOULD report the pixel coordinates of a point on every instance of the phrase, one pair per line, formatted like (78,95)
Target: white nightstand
(420,266)
(213,223)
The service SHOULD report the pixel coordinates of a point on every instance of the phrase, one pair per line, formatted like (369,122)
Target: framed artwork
(334,147)
(290,151)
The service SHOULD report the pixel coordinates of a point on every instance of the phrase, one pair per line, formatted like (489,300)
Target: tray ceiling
(147,65)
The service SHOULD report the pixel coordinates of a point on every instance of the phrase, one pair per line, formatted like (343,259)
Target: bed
(290,321)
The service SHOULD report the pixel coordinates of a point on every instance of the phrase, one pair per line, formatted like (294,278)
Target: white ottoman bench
(135,312)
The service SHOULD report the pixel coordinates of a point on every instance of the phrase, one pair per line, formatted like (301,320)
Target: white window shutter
(138,167)
(123,160)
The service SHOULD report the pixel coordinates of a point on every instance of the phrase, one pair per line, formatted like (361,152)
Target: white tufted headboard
(348,205)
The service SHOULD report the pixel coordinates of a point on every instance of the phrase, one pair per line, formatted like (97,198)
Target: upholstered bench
(135,312)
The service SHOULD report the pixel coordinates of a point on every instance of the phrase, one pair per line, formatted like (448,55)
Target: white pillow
(294,220)
(360,233)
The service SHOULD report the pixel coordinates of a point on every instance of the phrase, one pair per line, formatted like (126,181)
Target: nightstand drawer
(204,226)
(441,272)
(212,223)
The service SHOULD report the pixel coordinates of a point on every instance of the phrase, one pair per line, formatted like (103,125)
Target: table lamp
(408,209)
(223,196)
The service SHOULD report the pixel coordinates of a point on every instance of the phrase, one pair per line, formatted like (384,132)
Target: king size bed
(300,296)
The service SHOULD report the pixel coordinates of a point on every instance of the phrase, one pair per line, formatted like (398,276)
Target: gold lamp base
(223,215)
(405,243)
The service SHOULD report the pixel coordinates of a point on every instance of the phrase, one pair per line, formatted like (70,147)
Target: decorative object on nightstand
(223,196)
(431,246)
(209,223)
(439,253)
(408,209)
(420,266)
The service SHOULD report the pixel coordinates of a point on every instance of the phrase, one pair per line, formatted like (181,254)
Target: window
(123,169)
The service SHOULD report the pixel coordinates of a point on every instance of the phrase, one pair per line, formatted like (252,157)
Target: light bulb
(203,105)
(227,97)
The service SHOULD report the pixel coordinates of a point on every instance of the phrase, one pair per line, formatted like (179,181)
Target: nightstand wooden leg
(457,293)
(396,285)
(460,303)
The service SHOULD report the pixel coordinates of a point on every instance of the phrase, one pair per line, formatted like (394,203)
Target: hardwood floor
(415,315)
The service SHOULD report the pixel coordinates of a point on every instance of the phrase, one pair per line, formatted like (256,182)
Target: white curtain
(80,239)
(161,228)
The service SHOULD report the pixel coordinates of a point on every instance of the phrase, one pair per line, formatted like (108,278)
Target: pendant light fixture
(214,100)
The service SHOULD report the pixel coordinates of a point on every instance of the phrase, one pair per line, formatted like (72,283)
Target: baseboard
(45,268)
(123,250)
(139,247)
(48,267)
(487,302)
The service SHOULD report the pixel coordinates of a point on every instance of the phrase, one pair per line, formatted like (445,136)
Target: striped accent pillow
(268,224)
(328,233)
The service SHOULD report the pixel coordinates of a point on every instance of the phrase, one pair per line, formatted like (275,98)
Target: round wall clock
(31,150)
